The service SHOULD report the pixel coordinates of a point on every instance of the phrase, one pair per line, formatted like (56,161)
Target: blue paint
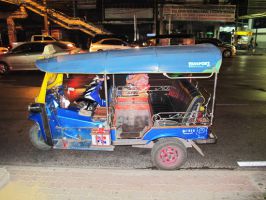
(167,59)
(69,118)
(65,123)
(113,134)
(37,118)
(80,145)
(188,133)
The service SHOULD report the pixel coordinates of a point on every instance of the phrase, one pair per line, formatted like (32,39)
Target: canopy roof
(203,58)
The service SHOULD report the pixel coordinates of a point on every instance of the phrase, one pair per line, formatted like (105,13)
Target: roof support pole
(106,99)
(214,96)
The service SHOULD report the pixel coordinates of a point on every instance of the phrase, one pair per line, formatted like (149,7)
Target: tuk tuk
(168,116)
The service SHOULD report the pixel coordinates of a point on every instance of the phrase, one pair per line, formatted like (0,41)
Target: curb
(4,177)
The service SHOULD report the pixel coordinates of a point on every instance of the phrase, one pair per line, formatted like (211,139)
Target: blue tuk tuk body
(159,121)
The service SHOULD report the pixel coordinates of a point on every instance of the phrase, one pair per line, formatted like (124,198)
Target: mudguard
(41,118)
(37,118)
(186,133)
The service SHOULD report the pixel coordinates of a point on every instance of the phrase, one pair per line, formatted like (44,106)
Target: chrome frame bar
(165,74)
(113,80)
(186,77)
(214,88)
(214,96)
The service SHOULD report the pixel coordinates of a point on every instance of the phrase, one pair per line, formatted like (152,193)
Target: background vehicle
(242,39)
(3,50)
(23,56)
(48,38)
(109,44)
(42,38)
(171,39)
(227,50)
(35,38)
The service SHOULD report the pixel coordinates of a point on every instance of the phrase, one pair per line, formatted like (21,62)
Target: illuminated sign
(128,13)
(215,13)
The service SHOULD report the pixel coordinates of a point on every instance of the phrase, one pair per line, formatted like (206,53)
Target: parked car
(227,50)
(109,44)
(23,56)
(35,38)
(48,38)
(171,39)
(42,38)
(3,50)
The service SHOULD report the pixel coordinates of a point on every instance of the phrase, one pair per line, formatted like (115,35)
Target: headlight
(70,45)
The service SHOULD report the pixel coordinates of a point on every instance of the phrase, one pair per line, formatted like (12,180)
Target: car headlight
(70,45)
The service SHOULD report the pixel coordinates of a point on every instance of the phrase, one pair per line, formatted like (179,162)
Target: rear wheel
(169,154)
(37,139)
(3,68)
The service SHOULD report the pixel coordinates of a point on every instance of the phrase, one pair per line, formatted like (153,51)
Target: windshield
(219,41)
(213,41)
(32,47)
(65,46)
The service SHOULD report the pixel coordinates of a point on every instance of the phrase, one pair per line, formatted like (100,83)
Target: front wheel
(227,54)
(37,139)
(168,154)
(3,69)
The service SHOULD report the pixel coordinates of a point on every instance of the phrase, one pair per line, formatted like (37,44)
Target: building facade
(137,18)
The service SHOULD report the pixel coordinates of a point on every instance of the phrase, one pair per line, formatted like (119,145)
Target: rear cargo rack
(181,118)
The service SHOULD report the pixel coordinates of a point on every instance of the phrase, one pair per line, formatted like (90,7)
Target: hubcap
(2,69)
(227,53)
(168,155)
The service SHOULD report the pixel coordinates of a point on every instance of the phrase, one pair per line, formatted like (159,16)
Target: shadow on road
(23,78)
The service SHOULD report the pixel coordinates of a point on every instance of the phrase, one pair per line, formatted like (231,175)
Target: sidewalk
(4,177)
(116,184)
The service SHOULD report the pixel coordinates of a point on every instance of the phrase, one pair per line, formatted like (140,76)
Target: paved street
(239,124)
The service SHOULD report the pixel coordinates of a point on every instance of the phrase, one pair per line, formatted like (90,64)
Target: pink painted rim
(168,156)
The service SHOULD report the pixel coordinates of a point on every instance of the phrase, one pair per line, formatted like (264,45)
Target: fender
(186,133)
(39,116)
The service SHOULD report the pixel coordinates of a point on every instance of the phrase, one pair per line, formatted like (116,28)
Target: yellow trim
(244,33)
(50,80)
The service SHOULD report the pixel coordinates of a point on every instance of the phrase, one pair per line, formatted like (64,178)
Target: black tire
(4,69)
(176,154)
(99,50)
(37,141)
(227,54)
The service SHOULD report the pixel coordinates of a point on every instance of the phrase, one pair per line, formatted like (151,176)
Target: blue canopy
(203,58)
